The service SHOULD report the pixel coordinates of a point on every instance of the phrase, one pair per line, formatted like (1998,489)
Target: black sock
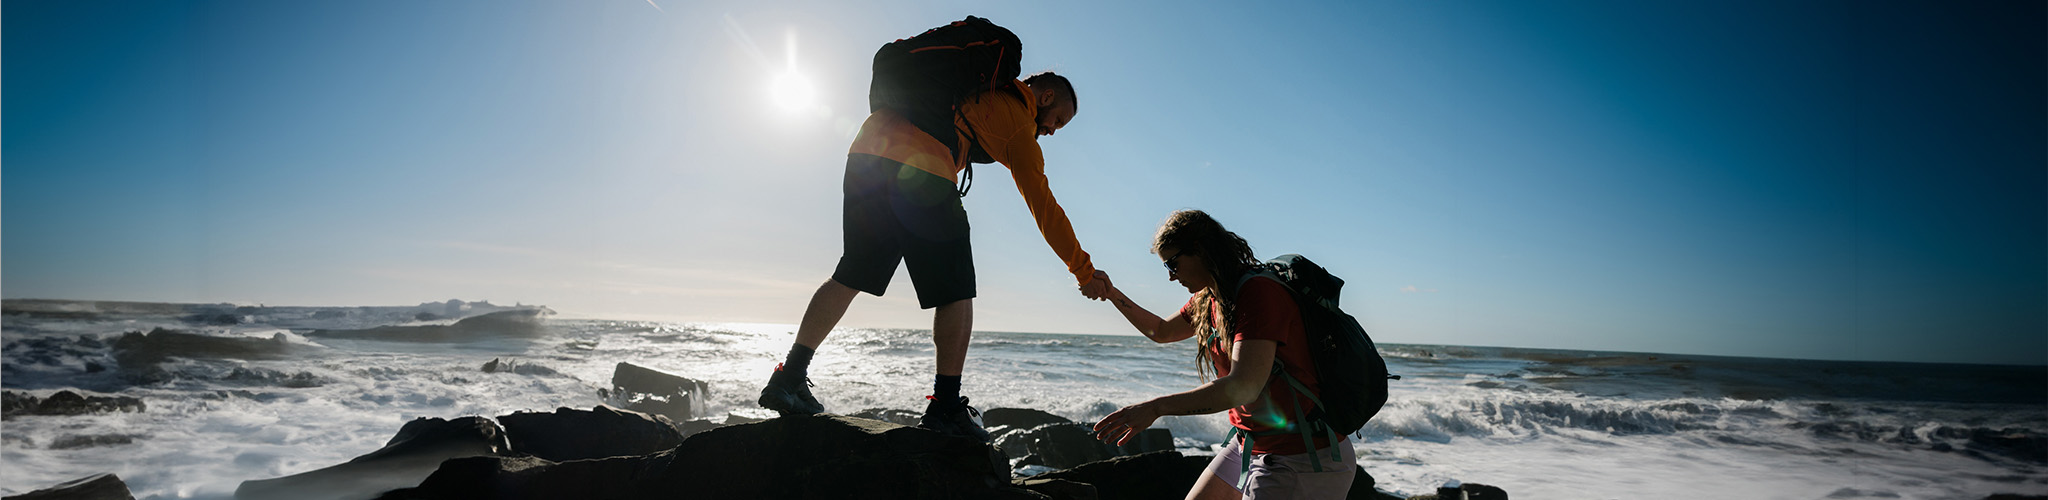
(946,389)
(799,362)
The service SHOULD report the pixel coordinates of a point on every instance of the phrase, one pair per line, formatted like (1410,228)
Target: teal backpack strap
(1244,456)
(1332,433)
(1307,440)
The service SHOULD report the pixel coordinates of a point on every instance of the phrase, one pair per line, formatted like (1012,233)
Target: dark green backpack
(1349,370)
(925,77)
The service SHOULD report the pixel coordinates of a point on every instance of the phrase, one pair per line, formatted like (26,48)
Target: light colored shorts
(1289,476)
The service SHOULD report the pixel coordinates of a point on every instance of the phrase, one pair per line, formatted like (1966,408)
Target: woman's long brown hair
(1194,232)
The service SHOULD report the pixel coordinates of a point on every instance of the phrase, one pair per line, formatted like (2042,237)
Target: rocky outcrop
(654,392)
(1163,475)
(137,349)
(1020,418)
(16,403)
(513,323)
(413,454)
(1067,445)
(898,417)
(94,487)
(572,434)
(819,456)
(1461,491)
(496,365)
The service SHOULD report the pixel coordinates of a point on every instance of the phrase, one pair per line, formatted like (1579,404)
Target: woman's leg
(1219,481)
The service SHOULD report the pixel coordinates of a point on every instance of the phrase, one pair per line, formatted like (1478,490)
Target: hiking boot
(788,394)
(953,419)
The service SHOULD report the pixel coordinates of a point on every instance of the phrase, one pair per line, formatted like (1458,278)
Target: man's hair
(1065,87)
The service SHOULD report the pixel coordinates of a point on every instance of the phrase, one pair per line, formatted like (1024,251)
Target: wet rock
(572,434)
(16,403)
(898,417)
(527,322)
(1065,445)
(136,350)
(414,453)
(819,456)
(651,391)
(1165,475)
(1060,488)
(71,441)
(265,376)
(1021,418)
(505,366)
(1471,491)
(94,487)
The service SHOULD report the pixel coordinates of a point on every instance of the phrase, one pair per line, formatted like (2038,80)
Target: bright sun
(791,91)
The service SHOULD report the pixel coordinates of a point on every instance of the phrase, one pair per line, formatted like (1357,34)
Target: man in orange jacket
(901,205)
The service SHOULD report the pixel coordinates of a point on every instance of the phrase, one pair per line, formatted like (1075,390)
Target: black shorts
(895,212)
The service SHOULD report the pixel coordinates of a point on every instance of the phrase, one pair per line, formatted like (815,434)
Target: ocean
(288,394)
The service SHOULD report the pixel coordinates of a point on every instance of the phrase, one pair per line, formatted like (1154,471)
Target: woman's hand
(1098,287)
(1124,424)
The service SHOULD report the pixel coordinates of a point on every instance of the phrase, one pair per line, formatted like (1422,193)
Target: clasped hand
(1097,288)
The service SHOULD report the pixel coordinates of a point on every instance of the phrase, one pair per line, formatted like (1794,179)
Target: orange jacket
(1007,124)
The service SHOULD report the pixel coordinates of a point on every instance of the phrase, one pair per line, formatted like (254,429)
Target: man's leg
(872,247)
(788,390)
(952,328)
(828,305)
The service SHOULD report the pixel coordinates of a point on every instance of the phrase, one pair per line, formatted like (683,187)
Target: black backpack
(925,77)
(1349,370)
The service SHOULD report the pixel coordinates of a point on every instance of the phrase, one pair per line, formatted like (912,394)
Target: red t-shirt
(1265,311)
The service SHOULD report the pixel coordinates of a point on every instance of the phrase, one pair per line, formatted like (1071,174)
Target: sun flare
(791,91)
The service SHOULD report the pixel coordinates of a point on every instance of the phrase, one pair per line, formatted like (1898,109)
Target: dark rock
(94,487)
(13,404)
(1148,440)
(898,417)
(1021,418)
(413,454)
(70,441)
(1165,475)
(572,434)
(1060,488)
(528,322)
(135,349)
(651,391)
(1476,491)
(2000,496)
(1061,446)
(496,366)
(699,425)
(819,456)
(267,376)
(1472,491)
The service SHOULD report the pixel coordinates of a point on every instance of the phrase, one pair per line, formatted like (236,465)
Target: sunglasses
(1173,263)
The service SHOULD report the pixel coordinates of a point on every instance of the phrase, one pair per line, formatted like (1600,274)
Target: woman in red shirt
(1243,328)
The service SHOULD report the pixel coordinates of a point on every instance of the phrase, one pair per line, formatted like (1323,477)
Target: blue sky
(1835,180)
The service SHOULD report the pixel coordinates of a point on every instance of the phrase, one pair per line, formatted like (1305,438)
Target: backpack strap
(966,154)
(1308,420)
